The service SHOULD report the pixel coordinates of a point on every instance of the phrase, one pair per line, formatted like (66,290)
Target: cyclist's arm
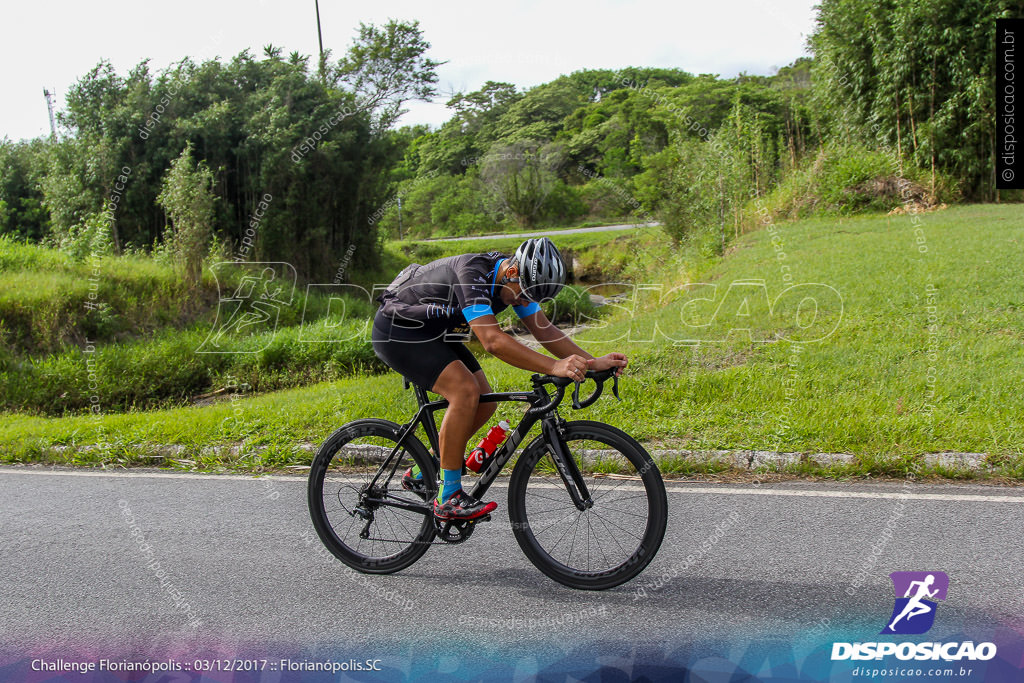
(558,343)
(552,338)
(505,347)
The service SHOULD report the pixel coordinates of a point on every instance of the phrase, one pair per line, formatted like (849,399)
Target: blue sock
(451,481)
(416,473)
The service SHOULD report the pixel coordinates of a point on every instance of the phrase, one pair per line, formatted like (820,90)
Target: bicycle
(368,521)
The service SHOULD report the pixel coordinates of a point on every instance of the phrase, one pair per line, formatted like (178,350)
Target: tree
(386,66)
(489,100)
(22,168)
(187,198)
(914,76)
(520,176)
(266,125)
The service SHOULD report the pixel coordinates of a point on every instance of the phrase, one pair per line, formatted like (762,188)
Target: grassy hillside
(126,329)
(44,296)
(919,351)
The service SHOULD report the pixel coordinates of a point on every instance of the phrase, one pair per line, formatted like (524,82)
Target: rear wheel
(607,544)
(354,520)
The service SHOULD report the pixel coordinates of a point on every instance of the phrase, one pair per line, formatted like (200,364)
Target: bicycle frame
(550,428)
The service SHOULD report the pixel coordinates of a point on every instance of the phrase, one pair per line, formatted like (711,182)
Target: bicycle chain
(395,540)
(414,542)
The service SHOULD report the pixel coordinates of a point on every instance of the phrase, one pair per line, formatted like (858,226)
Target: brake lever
(576,396)
(615,386)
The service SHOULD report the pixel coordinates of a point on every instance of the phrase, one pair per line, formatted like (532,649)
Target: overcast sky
(53,43)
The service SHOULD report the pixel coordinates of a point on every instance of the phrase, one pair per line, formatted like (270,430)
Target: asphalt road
(242,553)
(542,233)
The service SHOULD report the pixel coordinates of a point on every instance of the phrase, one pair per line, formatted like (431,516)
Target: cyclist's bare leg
(457,384)
(484,411)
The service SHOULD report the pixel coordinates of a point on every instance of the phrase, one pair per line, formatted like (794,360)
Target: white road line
(123,474)
(846,494)
(670,486)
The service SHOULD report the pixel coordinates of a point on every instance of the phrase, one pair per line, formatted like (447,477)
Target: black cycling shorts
(419,361)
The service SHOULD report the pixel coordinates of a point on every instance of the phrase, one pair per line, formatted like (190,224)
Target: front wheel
(358,506)
(612,541)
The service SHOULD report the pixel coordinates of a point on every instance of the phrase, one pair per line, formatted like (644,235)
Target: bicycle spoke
(588,542)
(560,507)
(564,533)
(601,548)
(627,512)
(605,494)
(556,522)
(601,519)
(576,529)
(619,527)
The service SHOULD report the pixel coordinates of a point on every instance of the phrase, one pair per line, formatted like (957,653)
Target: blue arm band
(475,311)
(526,311)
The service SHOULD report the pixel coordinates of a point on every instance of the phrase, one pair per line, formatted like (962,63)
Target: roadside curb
(751,459)
(740,459)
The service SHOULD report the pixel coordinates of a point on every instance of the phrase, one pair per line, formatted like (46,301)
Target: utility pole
(320,38)
(49,106)
(399,217)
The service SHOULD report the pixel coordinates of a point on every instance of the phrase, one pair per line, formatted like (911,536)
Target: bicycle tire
(344,486)
(549,488)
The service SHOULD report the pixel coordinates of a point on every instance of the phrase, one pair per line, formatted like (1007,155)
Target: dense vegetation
(108,232)
(295,159)
(915,77)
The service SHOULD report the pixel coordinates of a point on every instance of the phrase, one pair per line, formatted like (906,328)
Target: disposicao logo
(917,596)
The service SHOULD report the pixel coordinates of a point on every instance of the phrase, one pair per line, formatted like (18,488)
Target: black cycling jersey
(440,298)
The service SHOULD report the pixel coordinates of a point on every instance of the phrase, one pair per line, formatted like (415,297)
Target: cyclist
(428,311)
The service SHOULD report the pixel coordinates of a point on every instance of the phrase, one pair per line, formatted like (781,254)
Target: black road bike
(586,502)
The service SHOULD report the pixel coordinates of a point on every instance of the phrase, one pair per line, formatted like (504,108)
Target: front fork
(566,464)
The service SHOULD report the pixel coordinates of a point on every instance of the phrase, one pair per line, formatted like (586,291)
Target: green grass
(128,329)
(862,390)
(627,254)
(576,241)
(49,301)
(166,369)
(596,223)
(840,180)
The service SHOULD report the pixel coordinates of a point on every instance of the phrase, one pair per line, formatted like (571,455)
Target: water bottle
(485,449)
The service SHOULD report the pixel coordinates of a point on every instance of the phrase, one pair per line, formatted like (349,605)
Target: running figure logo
(252,307)
(916,596)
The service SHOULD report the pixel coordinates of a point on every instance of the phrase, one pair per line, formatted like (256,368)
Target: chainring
(456,531)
